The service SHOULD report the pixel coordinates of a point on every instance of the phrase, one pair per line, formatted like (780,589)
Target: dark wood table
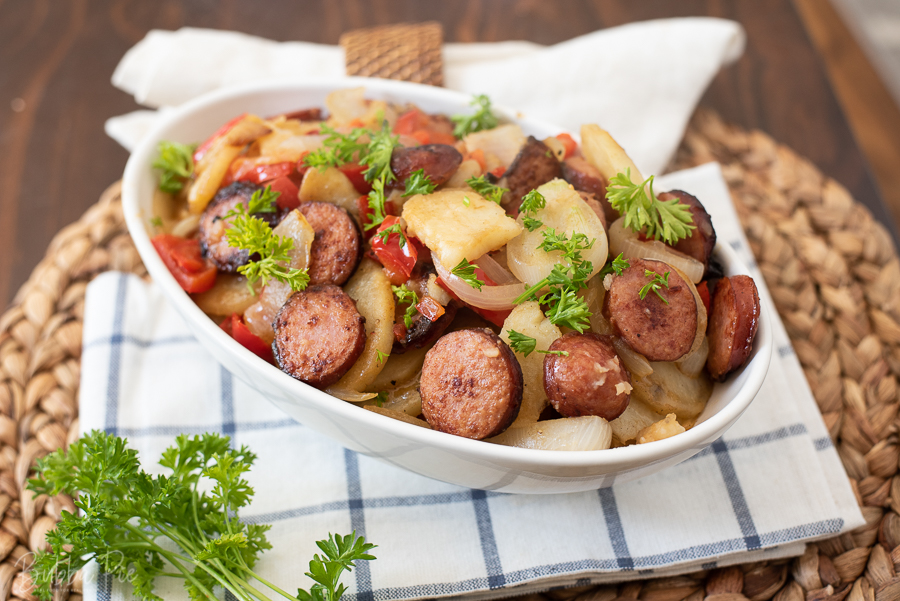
(56,59)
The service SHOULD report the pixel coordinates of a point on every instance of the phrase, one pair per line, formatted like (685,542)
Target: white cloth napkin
(641,82)
(773,481)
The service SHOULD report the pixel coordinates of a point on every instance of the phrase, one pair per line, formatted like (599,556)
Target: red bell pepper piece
(365,212)
(703,291)
(498,172)
(287,189)
(354,172)
(182,256)
(249,170)
(237,329)
(201,150)
(423,128)
(398,260)
(568,143)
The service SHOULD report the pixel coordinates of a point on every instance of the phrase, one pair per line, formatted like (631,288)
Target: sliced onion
(637,364)
(492,298)
(624,240)
(694,362)
(495,271)
(585,433)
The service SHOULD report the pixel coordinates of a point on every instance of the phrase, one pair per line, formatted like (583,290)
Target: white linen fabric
(640,82)
(771,483)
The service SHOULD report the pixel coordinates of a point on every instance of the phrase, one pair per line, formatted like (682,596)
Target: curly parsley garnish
(378,154)
(617,266)
(483,118)
(524,344)
(466,272)
(381,356)
(405,295)
(488,190)
(419,183)
(177,164)
(394,229)
(337,149)
(531,203)
(255,235)
(140,526)
(564,306)
(376,203)
(666,220)
(656,282)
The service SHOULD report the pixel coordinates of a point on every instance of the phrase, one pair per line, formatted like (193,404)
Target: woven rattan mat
(832,270)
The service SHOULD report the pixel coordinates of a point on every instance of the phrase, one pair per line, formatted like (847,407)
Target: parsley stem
(263,580)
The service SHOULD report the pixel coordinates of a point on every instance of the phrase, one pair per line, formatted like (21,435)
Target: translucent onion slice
(694,362)
(637,364)
(585,433)
(492,269)
(492,298)
(623,240)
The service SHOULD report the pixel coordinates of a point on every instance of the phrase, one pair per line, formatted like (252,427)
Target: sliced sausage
(732,325)
(213,225)
(471,384)
(439,161)
(702,240)
(534,165)
(587,178)
(589,379)
(319,335)
(659,331)
(337,248)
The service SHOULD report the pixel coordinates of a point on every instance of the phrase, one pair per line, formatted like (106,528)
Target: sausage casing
(337,248)
(732,325)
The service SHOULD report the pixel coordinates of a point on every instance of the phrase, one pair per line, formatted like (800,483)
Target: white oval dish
(441,456)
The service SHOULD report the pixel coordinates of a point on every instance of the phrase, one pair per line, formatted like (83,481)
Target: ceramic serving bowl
(441,456)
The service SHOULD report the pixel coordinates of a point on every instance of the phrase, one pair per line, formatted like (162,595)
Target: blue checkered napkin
(771,483)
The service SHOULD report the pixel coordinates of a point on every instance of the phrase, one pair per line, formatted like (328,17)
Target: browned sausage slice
(319,335)
(439,161)
(732,325)
(213,225)
(422,331)
(337,248)
(659,331)
(585,177)
(471,384)
(588,380)
(702,240)
(534,165)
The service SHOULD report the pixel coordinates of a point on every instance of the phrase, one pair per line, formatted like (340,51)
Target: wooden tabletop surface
(56,60)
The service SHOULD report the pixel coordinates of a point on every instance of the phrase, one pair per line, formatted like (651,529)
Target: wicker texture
(404,52)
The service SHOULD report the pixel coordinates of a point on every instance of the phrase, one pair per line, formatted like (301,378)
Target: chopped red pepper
(398,260)
(287,189)
(354,172)
(430,308)
(478,155)
(182,256)
(400,332)
(365,212)
(251,170)
(423,128)
(703,291)
(237,329)
(201,150)
(498,171)
(568,143)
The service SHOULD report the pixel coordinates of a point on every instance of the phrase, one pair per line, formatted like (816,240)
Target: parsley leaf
(337,149)
(533,201)
(381,398)
(419,183)
(617,266)
(177,164)
(531,223)
(376,203)
(405,295)
(263,201)
(381,356)
(394,229)
(521,343)
(488,190)
(255,235)
(139,526)
(378,155)
(656,282)
(466,272)
(666,220)
(483,118)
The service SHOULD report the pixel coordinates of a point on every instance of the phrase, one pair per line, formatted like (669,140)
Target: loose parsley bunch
(666,220)
(139,526)
(176,162)
(483,118)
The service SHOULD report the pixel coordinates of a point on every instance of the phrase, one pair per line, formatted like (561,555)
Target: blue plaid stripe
(358,523)
(488,540)
(226,381)
(115,357)
(614,528)
(736,494)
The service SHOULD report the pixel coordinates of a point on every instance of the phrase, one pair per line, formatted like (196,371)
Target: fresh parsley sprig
(337,148)
(405,295)
(176,161)
(617,266)
(666,220)
(525,344)
(488,190)
(378,154)
(564,306)
(656,282)
(139,526)
(419,183)
(531,203)
(394,229)
(483,118)
(255,235)
(376,203)
(466,272)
